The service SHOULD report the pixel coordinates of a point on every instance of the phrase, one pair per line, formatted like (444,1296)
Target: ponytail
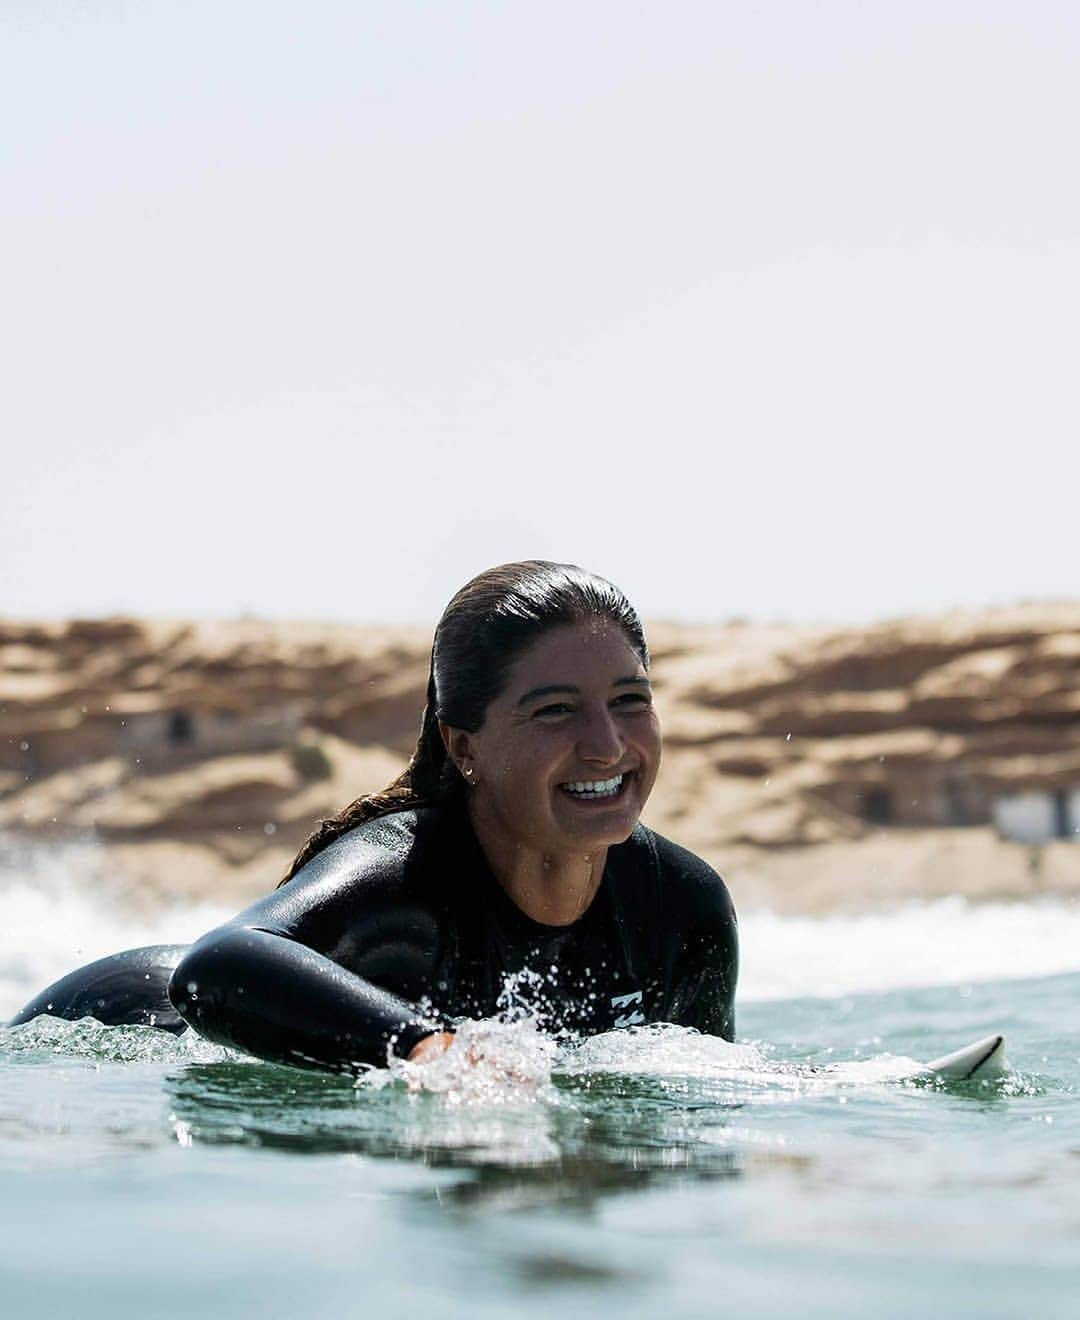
(429,777)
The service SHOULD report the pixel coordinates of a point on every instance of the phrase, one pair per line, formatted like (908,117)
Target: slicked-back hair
(487,625)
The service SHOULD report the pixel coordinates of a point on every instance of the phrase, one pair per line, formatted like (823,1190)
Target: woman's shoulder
(381,852)
(685,878)
(371,869)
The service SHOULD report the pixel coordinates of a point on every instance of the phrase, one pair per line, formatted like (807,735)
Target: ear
(459,748)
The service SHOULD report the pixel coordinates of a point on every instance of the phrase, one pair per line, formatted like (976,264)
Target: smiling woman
(561,770)
(505,869)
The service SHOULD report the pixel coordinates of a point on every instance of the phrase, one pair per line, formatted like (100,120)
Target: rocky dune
(816,767)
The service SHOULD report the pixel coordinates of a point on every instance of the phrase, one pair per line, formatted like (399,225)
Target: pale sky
(760,308)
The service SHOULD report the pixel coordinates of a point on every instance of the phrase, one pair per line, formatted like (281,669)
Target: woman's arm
(700,943)
(280,1000)
(704,990)
(330,970)
(123,989)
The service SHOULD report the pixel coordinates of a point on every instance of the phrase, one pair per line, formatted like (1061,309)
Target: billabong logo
(631,1001)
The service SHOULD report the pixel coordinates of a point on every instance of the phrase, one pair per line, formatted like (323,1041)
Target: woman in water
(505,868)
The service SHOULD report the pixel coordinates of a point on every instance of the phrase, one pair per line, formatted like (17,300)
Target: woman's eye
(633,698)
(556,708)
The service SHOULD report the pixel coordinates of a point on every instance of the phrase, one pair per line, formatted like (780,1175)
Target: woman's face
(568,753)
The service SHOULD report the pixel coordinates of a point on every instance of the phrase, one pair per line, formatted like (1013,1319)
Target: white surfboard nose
(982,1058)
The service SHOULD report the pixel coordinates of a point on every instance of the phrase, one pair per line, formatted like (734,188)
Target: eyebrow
(636,680)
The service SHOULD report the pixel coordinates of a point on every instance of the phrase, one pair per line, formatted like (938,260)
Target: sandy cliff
(815,767)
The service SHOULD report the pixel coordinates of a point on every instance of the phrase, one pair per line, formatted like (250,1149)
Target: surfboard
(982,1058)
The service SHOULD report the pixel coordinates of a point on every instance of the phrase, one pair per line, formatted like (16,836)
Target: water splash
(660,1050)
(491,1062)
(500,1075)
(667,1052)
(48,1037)
(494,1063)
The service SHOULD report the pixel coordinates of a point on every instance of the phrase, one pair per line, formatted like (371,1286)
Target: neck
(553,889)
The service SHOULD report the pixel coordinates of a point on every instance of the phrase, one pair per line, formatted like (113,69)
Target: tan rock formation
(815,766)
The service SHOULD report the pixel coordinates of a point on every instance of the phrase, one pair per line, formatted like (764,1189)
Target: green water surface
(144,1176)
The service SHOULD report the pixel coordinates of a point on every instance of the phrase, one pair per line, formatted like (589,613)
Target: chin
(602,834)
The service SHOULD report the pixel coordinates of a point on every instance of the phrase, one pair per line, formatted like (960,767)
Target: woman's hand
(482,1061)
(431,1047)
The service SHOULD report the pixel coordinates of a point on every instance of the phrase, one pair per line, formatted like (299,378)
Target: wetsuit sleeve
(125,989)
(701,936)
(326,972)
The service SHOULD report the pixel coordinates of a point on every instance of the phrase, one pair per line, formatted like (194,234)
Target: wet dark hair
(484,629)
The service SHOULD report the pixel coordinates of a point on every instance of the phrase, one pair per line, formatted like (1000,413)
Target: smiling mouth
(597,790)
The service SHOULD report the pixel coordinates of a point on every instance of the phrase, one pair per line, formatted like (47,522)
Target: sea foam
(946,942)
(55,919)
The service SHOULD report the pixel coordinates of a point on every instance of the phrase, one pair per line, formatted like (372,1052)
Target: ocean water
(801,1171)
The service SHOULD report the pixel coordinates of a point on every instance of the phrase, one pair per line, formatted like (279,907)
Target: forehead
(572,653)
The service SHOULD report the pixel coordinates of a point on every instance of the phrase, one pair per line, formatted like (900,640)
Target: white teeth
(596,787)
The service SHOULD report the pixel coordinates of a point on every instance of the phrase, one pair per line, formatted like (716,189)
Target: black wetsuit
(399,929)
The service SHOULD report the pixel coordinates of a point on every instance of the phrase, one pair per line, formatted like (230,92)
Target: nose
(601,741)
